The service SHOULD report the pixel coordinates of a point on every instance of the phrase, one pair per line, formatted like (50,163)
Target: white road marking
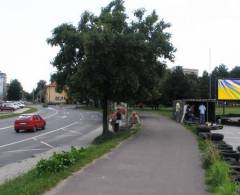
(27,150)
(56,112)
(47,144)
(72,131)
(81,116)
(8,127)
(34,137)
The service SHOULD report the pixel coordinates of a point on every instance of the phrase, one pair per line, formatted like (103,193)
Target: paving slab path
(163,159)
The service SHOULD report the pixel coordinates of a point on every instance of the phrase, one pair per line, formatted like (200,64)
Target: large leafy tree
(203,85)
(40,91)
(235,72)
(111,58)
(15,90)
(176,86)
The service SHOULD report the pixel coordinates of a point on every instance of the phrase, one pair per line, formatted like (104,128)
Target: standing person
(119,119)
(178,112)
(184,112)
(113,120)
(202,110)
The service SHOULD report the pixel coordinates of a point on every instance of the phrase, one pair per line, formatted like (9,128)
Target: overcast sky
(197,25)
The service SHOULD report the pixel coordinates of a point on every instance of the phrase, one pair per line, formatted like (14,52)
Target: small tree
(15,90)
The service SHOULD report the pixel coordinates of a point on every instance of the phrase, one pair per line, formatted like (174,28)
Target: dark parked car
(30,122)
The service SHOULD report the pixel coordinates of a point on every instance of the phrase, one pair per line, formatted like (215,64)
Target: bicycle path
(163,159)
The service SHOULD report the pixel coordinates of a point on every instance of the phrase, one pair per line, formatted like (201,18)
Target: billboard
(229,89)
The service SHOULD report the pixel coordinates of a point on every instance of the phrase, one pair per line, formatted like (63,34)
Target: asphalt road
(65,125)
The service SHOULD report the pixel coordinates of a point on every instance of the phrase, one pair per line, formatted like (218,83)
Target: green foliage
(227,188)
(218,177)
(176,86)
(14,90)
(218,174)
(45,105)
(40,91)
(235,72)
(30,110)
(210,154)
(59,161)
(111,57)
(203,86)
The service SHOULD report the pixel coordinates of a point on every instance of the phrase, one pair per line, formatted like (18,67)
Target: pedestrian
(113,120)
(202,110)
(134,119)
(178,112)
(118,121)
(184,112)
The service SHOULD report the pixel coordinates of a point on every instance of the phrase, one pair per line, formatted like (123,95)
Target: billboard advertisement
(229,89)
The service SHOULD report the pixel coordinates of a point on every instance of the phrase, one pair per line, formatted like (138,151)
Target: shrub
(227,188)
(60,161)
(218,173)
(210,154)
(45,105)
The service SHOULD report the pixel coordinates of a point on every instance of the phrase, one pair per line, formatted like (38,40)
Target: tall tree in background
(40,91)
(15,90)
(204,86)
(193,83)
(235,72)
(110,57)
(176,86)
(27,96)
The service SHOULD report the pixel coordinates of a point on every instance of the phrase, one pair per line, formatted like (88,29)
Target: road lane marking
(56,112)
(27,150)
(72,131)
(34,137)
(8,127)
(45,143)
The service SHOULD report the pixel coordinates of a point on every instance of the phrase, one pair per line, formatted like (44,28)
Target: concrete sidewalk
(163,159)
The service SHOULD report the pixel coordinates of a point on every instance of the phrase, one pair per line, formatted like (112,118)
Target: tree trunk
(105,117)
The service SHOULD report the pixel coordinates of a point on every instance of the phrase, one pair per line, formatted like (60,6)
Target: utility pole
(210,77)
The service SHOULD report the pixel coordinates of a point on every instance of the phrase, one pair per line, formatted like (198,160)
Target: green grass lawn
(228,110)
(9,115)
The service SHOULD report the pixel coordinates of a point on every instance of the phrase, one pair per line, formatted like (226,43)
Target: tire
(216,136)
(17,130)
(230,155)
(43,128)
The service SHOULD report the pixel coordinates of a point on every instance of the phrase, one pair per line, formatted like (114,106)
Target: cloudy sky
(197,26)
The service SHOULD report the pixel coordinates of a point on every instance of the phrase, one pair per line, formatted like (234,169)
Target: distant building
(3,85)
(54,97)
(188,70)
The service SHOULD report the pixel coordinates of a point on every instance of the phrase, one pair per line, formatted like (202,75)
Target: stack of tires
(226,152)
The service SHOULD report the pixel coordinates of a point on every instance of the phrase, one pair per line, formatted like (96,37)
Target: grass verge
(30,110)
(218,177)
(49,172)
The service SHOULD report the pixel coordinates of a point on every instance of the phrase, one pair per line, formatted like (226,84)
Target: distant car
(31,122)
(7,107)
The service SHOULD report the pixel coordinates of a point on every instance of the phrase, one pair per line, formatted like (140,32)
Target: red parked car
(29,122)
